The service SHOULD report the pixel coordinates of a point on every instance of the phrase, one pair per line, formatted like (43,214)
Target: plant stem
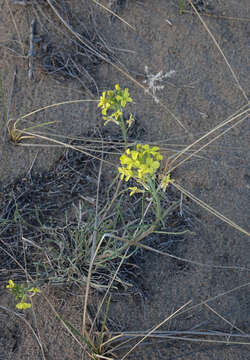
(180,3)
(124,132)
(156,199)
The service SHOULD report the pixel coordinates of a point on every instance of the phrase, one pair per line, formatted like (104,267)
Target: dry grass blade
(220,50)
(155,328)
(232,118)
(64,145)
(16,135)
(63,322)
(205,145)
(78,36)
(211,210)
(15,25)
(106,294)
(29,326)
(146,247)
(54,105)
(176,335)
(231,18)
(114,14)
(84,317)
(6,114)
(224,293)
(11,94)
(223,318)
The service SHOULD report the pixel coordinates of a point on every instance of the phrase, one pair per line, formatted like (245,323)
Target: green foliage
(20,291)
(180,4)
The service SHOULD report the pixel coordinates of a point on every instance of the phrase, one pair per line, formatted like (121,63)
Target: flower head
(125,173)
(130,121)
(140,163)
(111,103)
(123,97)
(165,180)
(23,305)
(134,190)
(35,290)
(104,103)
(22,292)
(11,285)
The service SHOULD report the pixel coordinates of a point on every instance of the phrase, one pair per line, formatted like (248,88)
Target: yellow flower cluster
(140,163)
(165,181)
(114,100)
(21,293)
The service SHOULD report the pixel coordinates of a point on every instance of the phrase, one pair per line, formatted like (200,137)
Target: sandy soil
(201,94)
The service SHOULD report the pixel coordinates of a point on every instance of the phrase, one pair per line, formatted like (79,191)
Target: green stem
(156,198)
(124,132)
(180,3)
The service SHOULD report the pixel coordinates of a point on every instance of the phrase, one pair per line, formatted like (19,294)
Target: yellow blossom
(130,120)
(140,163)
(165,180)
(134,190)
(11,285)
(23,305)
(35,290)
(114,100)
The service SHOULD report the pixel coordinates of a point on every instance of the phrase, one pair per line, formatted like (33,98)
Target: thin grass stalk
(29,326)
(114,14)
(108,288)
(220,50)
(155,328)
(146,247)
(88,283)
(225,122)
(210,209)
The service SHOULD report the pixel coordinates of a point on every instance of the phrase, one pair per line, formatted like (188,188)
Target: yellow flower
(123,97)
(104,103)
(117,114)
(140,163)
(114,100)
(130,120)
(23,305)
(127,173)
(11,285)
(134,189)
(165,180)
(103,100)
(35,290)
(112,118)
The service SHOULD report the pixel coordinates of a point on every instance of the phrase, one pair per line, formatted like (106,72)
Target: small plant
(153,81)
(180,4)
(112,237)
(112,103)
(141,165)
(17,135)
(22,293)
